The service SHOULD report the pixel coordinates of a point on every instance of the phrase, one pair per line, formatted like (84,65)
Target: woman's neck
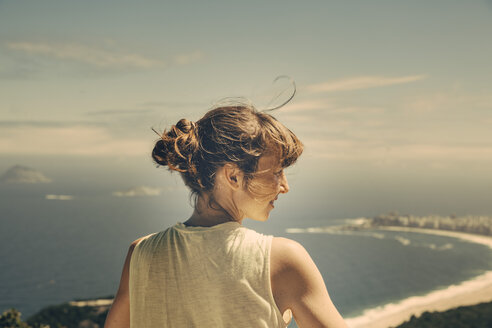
(208,213)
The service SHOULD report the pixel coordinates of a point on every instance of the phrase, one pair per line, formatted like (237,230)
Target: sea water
(54,251)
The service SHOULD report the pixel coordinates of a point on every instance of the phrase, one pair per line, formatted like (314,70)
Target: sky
(393,98)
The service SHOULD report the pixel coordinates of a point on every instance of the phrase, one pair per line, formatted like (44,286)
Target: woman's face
(257,199)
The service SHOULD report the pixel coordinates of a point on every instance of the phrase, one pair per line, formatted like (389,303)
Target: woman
(210,271)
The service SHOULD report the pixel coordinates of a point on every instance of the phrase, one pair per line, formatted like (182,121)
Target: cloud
(362,82)
(81,53)
(85,140)
(28,60)
(308,105)
(22,174)
(107,57)
(175,104)
(447,101)
(18,71)
(357,110)
(138,191)
(316,109)
(107,112)
(447,128)
(85,54)
(48,124)
(384,152)
(58,197)
(189,58)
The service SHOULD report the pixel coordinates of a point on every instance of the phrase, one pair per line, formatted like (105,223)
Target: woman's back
(203,277)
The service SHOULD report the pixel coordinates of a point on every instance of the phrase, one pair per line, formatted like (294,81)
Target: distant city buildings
(481,225)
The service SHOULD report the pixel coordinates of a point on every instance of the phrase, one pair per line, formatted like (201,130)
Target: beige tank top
(203,277)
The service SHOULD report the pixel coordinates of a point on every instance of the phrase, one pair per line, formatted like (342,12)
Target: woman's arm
(119,314)
(298,285)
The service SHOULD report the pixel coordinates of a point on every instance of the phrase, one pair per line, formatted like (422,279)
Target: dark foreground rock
(474,316)
(76,314)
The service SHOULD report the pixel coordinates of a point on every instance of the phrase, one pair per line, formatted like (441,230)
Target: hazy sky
(392,91)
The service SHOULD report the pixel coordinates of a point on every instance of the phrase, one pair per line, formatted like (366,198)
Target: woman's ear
(233,175)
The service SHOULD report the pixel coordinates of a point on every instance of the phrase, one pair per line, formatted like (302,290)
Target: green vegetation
(474,316)
(66,315)
(58,316)
(11,319)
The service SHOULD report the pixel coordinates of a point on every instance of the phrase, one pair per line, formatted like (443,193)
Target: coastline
(469,292)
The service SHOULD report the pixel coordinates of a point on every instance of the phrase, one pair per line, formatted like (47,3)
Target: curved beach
(473,291)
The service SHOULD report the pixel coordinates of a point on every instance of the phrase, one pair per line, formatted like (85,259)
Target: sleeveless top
(215,276)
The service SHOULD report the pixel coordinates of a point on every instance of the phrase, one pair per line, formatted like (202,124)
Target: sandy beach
(473,291)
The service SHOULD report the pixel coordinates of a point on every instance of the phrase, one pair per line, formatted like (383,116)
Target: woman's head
(235,135)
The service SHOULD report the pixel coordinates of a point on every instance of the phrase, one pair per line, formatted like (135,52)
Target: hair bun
(177,147)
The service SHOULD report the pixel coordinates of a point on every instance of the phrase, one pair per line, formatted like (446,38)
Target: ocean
(53,251)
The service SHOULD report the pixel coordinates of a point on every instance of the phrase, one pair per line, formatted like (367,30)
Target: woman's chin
(260,218)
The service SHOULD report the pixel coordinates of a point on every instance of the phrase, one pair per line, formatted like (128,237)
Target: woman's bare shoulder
(288,252)
(291,265)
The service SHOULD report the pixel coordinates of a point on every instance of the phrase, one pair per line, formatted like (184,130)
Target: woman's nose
(284,185)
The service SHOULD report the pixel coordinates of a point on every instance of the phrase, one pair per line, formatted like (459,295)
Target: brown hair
(228,134)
